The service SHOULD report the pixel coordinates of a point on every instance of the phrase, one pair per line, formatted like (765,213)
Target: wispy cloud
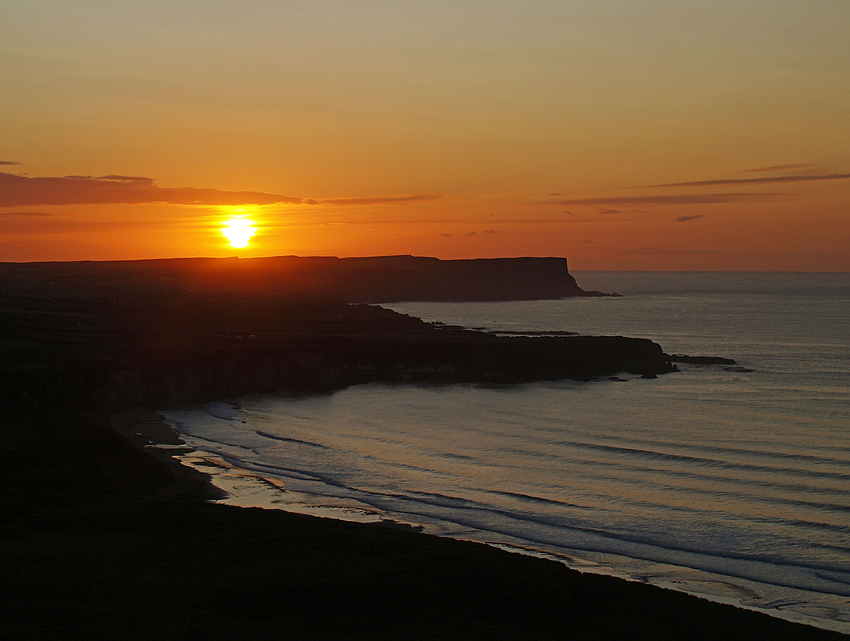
(792,178)
(23,191)
(125,179)
(473,234)
(566,221)
(8,162)
(799,167)
(18,191)
(684,219)
(667,199)
(373,200)
(30,214)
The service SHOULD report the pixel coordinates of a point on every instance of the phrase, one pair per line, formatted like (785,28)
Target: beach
(135,560)
(420,585)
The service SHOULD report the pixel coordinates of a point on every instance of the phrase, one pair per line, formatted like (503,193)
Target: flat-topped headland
(378,279)
(93,546)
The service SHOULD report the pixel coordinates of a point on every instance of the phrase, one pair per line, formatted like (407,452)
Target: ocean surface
(732,482)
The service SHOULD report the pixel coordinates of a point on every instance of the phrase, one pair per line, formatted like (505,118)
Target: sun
(238,231)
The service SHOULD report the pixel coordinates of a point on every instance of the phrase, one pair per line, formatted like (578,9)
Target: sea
(731,482)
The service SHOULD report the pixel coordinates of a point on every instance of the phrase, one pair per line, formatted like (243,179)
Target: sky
(622,135)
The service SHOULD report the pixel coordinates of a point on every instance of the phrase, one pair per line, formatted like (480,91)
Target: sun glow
(238,231)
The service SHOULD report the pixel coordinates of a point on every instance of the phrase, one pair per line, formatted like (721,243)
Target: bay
(726,481)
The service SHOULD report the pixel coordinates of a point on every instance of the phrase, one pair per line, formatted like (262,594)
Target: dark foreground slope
(90,547)
(196,571)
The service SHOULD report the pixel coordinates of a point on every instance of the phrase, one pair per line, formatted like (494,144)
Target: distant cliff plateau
(379,279)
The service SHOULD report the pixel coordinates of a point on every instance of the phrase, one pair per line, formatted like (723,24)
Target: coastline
(107,534)
(203,476)
(125,562)
(149,431)
(248,489)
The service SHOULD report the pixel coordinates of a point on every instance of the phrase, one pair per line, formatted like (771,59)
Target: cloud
(609,211)
(373,200)
(32,214)
(18,190)
(129,179)
(807,167)
(763,180)
(474,233)
(684,219)
(565,221)
(8,162)
(668,199)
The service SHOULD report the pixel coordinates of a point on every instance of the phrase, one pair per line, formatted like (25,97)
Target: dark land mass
(100,540)
(378,279)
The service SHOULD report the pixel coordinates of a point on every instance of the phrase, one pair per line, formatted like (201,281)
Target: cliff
(361,280)
(410,278)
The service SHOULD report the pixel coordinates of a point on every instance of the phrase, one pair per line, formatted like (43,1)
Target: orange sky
(619,134)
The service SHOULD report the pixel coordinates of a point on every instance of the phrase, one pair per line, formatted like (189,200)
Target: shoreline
(97,551)
(149,431)
(106,533)
(247,489)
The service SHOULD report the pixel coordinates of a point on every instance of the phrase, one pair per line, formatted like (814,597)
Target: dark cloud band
(16,191)
(756,181)
(377,200)
(24,191)
(668,199)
